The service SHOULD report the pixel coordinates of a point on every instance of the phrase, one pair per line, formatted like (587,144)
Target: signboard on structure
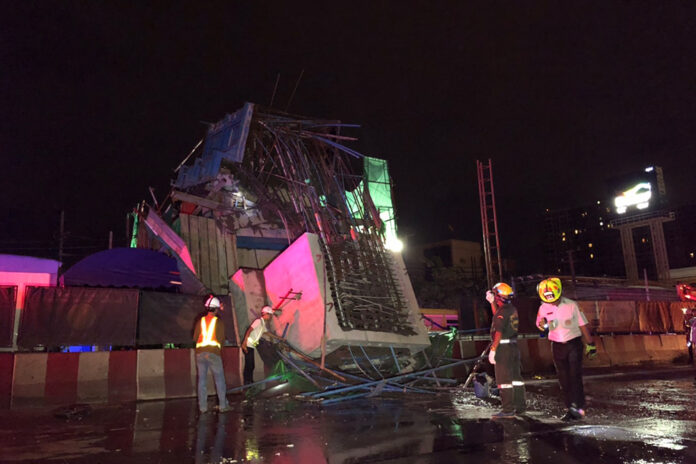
(638,192)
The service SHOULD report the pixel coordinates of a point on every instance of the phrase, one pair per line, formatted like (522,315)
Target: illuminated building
(634,234)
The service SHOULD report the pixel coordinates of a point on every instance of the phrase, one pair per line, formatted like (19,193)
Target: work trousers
(690,349)
(249,366)
(567,358)
(204,361)
(267,353)
(508,376)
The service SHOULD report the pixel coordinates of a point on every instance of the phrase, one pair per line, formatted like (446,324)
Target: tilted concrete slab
(300,268)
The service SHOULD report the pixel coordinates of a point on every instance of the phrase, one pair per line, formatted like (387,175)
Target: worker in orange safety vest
(209,334)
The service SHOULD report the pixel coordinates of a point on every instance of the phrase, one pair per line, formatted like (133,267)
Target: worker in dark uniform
(690,323)
(504,353)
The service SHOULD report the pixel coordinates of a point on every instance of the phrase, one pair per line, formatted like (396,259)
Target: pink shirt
(564,320)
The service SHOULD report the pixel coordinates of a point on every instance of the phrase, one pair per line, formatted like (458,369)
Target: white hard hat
(267,310)
(212,302)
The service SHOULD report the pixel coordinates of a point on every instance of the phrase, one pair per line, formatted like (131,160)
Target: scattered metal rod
(427,360)
(249,385)
(294,366)
(357,364)
(303,356)
(396,361)
(370,361)
(390,379)
(389,386)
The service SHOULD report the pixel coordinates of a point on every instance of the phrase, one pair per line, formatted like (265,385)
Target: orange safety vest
(207,336)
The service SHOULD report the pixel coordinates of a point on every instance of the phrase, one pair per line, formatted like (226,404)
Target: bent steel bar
(389,386)
(297,368)
(394,379)
(370,361)
(260,382)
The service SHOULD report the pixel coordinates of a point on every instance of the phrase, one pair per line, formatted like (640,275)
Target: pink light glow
(299,268)
(238,278)
(26,279)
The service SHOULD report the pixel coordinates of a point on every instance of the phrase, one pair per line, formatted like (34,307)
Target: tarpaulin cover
(15,263)
(170,318)
(124,267)
(614,316)
(7,310)
(635,316)
(677,315)
(56,316)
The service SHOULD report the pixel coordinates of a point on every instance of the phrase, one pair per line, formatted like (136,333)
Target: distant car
(687,292)
(638,196)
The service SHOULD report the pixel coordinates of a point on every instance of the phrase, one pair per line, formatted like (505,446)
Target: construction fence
(617,317)
(56,318)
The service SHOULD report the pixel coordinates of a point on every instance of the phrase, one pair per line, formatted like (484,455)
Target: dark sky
(100,100)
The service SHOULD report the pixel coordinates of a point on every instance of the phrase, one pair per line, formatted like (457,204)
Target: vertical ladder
(489,223)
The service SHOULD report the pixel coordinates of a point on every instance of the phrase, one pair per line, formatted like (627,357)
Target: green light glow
(376,176)
(134,233)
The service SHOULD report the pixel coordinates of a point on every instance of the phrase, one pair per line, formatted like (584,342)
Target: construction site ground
(636,415)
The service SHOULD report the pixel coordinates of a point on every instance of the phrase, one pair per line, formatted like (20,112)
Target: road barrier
(612,350)
(43,379)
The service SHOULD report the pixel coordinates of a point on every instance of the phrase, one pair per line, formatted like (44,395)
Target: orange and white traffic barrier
(108,376)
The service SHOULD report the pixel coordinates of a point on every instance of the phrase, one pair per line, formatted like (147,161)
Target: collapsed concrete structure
(274,209)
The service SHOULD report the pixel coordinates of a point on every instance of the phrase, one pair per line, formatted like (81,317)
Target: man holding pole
(251,340)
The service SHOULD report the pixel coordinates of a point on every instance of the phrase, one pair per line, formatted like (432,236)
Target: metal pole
(260,382)
(571,263)
(647,288)
(111,239)
(393,379)
(60,236)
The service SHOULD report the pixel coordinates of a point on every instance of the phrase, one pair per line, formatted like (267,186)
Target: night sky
(99,101)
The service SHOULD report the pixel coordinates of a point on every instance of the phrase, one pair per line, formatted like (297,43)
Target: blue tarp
(124,267)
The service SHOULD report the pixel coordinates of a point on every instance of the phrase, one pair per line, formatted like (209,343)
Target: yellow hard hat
(549,290)
(503,292)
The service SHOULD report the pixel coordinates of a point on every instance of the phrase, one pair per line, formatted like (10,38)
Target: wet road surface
(635,418)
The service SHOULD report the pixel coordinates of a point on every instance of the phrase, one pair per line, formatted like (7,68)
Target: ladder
(489,223)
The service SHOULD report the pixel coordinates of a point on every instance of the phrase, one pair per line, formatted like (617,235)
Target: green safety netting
(441,347)
(376,176)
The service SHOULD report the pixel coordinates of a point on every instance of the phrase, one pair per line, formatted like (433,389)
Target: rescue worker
(209,334)
(690,325)
(567,327)
(504,353)
(252,338)
(690,322)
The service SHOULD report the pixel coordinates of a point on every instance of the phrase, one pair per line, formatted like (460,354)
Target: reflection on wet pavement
(629,421)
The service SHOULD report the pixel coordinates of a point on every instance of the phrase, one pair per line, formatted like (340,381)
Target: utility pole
(61,234)
(571,263)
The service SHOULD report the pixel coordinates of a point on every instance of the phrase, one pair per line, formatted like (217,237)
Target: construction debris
(269,202)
